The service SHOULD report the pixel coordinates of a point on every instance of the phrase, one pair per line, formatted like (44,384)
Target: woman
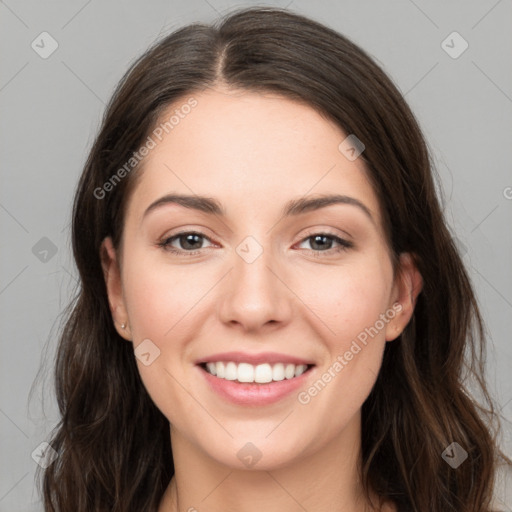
(218,356)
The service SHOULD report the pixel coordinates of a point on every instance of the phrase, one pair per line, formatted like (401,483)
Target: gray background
(51,109)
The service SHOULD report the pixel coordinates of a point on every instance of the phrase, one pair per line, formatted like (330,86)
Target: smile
(258,385)
(249,373)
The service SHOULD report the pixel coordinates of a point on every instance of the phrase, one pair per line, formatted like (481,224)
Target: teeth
(278,371)
(245,372)
(261,373)
(212,368)
(221,370)
(231,371)
(289,371)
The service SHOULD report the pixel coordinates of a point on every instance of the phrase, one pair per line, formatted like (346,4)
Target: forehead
(250,150)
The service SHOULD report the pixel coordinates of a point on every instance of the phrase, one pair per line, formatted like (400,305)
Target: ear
(112,275)
(408,285)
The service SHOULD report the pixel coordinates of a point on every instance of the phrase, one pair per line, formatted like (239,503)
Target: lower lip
(249,393)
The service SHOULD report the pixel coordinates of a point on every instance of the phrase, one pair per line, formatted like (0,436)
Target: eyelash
(344,245)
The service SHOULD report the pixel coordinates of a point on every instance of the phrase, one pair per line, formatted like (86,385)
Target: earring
(123,326)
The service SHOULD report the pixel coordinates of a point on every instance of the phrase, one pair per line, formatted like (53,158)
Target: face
(275,289)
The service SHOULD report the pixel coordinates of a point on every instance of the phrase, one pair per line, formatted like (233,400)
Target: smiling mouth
(255,374)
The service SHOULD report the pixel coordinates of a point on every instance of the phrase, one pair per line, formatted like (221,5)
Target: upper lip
(254,359)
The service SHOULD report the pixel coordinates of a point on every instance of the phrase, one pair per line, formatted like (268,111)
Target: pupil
(321,237)
(188,237)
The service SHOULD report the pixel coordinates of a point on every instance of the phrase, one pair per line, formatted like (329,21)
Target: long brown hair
(113,443)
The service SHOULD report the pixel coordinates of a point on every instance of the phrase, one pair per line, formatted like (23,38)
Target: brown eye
(323,242)
(190,242)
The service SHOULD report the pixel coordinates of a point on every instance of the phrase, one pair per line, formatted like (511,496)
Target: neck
(327,479)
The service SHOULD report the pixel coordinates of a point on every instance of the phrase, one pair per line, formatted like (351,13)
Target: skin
(253,152)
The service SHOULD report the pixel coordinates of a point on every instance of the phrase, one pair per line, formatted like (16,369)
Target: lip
(255,359)
(253,394)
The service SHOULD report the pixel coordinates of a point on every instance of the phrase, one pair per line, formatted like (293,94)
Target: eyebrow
(293,207)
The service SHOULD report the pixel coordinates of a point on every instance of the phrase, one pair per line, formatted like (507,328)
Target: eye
(187,239)
(327,239)
(191,243)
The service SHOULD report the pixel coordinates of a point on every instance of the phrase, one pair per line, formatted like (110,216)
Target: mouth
(255,385)
(264,373)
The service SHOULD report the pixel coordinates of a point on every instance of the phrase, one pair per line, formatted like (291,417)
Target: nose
(255,294)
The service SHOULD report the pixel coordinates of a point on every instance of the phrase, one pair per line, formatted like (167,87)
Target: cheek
(351,302)
(162,299)
(159,297)
(349,299)
(160,302)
